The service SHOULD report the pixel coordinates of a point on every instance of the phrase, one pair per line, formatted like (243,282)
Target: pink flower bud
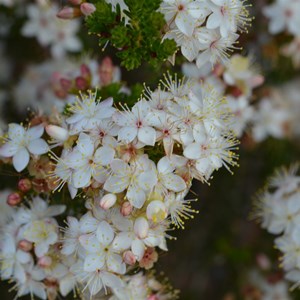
(14,199)
(141,227)
(65,83)
(129,258)
(45,261)
(24,185)
(81,83)
(108,201)
(152,297)
(25,245)
(69,13)
(106,70)
(75,2)
(87,8)
(126,209)
(263,262)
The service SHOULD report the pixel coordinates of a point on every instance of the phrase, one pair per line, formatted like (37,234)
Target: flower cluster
(30,252)
(278,208)
(284,17)
(133,165)
(236,81)
(58,35)
(205,30)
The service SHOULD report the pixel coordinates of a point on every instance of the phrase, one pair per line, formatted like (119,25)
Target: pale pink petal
(38,147)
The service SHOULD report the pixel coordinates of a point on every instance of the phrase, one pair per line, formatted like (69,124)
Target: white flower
(21,143)
(228,15)
(139,178)
(167,180)
(32,284)
(71,236)
(100,253)
(88,162)
(184,13)
(96,280)
(136,124)
(13,259)
(214,47)
(88,112)
(42,234)
(283,15)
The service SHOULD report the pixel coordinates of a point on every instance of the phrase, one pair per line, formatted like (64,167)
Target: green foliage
(138,41)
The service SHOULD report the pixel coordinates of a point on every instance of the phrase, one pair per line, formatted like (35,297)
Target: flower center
(139,124)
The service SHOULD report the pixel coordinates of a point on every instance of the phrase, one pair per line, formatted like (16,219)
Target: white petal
(35,132)
(81,178)
(115,263)
(136,196)
(165,165)
(174,182)
(115,184)
(104,155)
(127,134)
(122,241)
(105,234)
(93,262)
(85,145)
(21,159)
(185,23)
(147,135)
(138,249)
(38,147)
(192,151)
(9,149)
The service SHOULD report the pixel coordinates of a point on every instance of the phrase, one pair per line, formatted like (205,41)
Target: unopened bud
(69,13)
(156,211)
(81,83)
(87,8)
(45,261)
(25,245)
(24,185)
(57,132)
(14,199)
(152,297)
(141,227)
(129,258)
(126,208)
(108,201)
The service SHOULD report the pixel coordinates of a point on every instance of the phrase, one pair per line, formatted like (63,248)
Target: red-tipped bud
(126,209)
(24,185)
(87,8)
(68,13)
(129,258)
(14,199)
(108,201)
(85,71)
(25,245)
(81,83)
(45,261)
